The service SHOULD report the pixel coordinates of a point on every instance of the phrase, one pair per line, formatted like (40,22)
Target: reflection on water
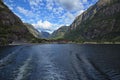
(60,62)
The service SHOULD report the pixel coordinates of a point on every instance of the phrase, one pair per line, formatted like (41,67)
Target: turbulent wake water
(60,62)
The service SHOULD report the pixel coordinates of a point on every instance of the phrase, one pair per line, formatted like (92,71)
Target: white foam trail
(51,72)
(23,69)
(8,59)
(78,67)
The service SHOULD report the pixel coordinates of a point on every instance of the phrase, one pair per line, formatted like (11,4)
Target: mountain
(11,27)
(32,30)
(100,22)
(44,35)
(36,33)
(59,33)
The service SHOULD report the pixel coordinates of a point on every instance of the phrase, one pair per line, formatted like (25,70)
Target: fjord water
(60,62)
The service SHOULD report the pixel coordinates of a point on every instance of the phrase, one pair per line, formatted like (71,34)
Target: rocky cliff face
(11,27)
(32,30)
(100,22)
(59,33)
(36,33)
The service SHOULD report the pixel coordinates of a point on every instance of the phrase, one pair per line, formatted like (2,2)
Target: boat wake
(9,58)
(22,71)
(87,70)
(49,70)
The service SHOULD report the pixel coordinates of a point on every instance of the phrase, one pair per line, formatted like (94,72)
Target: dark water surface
(60,62)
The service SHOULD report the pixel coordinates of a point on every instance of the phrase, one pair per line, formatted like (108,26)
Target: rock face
(59,33)
(32,30)
(100,22)
(11,27)
(36,33)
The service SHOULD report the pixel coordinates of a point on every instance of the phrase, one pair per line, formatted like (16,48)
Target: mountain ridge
(60,32)
(100,22)
(32,30)
(11,27)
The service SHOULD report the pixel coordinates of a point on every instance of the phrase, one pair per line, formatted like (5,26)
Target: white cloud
(49,4)
(11,1)
(26,12)
(25,0)
(84,1)
(61,9)
(35,2)
(70,4)
(58,10)
(46,26)
(10,5)
(68,18)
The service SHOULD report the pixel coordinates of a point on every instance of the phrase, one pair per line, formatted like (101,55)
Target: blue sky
(48,15)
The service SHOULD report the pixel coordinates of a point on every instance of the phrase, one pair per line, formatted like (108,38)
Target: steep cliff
(59,33)
(32,30)
(11,27)
(100,22)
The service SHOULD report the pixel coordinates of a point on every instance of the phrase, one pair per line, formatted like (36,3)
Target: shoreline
(92,43)
(64,43)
